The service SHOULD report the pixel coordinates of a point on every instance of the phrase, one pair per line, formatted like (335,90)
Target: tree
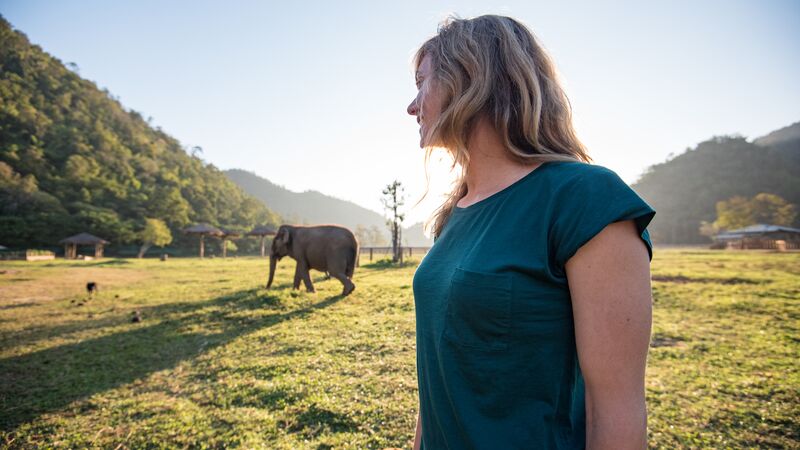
(393,199)
(733,213)
(376,236)
(155,232)
(739,212)
(772,209)
(708,229)
(362,234)
(372,236)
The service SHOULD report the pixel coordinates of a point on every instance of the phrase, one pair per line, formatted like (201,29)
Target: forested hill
(73,159)
(684,190)
(305,207)
(312,207)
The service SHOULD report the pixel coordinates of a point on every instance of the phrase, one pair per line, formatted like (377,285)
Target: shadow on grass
(93,263)
(17,305)
(313,420)
(680,279)
(39,332)
(46,381)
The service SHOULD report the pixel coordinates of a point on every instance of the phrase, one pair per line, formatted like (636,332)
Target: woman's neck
(491,167)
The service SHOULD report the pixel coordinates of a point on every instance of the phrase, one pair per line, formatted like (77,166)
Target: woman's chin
(423,139)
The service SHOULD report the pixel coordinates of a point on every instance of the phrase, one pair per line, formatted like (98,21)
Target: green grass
(219,361)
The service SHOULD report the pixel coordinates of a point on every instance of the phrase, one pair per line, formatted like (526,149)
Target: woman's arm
(609,281)
(418,432)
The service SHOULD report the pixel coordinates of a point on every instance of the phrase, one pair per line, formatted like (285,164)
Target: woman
(534,304)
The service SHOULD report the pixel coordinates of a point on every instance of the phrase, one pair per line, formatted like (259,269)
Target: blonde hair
(492,67)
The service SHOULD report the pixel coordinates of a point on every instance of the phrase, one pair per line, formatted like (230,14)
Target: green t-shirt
(496,359)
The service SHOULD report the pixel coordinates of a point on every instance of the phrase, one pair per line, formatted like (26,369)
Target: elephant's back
(334,231)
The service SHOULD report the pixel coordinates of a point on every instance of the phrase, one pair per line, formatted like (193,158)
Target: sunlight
(440,178)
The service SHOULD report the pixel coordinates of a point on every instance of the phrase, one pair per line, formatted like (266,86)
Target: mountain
(312,207)
(414,236)
(778,137)
(73,159)
(685,190)
(309,207)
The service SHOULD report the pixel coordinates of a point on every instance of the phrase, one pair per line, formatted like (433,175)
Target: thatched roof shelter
(203,229)
(71,245)
(262,231)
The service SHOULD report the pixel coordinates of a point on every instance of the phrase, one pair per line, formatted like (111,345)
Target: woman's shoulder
(572,175)
(587,198)
(580,169)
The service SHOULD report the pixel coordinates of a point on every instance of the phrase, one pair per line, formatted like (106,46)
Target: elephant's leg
(348,285)
(307,281)
(297,276)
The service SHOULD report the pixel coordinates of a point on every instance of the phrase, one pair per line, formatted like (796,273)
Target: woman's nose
(412,108)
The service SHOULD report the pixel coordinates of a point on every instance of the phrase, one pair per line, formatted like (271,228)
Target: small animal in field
(327,248)
(91,288)
(137,316)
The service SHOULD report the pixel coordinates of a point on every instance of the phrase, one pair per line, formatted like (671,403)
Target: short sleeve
(592,199)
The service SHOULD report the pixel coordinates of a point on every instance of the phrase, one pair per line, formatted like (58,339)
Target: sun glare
(440,176)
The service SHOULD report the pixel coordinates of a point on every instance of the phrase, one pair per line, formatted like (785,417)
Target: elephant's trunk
(273,261)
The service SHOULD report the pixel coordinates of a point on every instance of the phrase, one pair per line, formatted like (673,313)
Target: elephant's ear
(284,236)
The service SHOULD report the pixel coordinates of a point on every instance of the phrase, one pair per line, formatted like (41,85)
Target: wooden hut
(71,245)
(760,236)
(262,231)
(203,230)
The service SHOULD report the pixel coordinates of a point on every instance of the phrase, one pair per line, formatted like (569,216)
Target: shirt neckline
(501,193)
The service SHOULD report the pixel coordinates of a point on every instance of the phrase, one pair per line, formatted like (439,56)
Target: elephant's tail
(352,262)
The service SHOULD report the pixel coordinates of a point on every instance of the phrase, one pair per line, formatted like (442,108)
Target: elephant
(327,248)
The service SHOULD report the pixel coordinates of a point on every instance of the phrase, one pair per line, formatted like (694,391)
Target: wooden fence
(763,244)
(387,251)
(28,255)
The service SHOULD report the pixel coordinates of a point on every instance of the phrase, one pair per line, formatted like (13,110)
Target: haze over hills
(313,207)
(685,189)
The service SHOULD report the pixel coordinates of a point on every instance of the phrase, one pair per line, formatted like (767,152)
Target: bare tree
(393,199)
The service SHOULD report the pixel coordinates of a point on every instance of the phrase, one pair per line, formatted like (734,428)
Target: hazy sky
(312,95)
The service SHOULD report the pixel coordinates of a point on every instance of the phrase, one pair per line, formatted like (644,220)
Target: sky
(313,95)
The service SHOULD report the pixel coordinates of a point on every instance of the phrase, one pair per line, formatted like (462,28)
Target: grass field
(218,361)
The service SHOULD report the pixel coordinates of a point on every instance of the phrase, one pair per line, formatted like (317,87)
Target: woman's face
(428,104)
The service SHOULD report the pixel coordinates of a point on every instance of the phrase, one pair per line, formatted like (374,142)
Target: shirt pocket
(478,311)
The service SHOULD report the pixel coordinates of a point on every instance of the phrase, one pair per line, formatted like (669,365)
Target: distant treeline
(73,159)
(685,190)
